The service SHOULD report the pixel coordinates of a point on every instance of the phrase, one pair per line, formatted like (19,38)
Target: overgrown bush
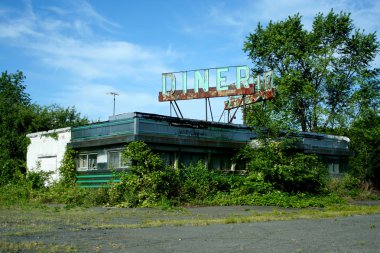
(23,187)
(10,170)
(67,169)
(284,169)
(350,187)
(38,179)
(148,182)
(274,198)
(253,183)
(199,182)
(276,176)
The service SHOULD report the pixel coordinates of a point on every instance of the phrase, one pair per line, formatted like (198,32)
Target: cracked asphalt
(360,233)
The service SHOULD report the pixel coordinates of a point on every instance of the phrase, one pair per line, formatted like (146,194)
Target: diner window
(87,162)
(115,160)
(333,168)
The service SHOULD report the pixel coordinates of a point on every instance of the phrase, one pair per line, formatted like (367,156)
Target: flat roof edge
(58,130)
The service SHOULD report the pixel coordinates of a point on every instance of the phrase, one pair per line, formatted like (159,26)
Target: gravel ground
(343,234)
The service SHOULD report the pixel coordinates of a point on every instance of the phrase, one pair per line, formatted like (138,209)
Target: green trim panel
(94,186)
(97,180)
(96,175)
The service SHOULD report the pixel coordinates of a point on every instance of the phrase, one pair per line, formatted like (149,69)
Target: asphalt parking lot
(114,230)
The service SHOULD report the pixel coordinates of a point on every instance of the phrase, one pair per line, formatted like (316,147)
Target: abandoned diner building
(179,141)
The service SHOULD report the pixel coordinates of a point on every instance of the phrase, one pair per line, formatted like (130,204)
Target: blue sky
(74,52)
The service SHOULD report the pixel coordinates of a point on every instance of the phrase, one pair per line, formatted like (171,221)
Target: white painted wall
(45,152)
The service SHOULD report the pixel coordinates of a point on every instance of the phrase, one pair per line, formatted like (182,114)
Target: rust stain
(249,99)
(212,92)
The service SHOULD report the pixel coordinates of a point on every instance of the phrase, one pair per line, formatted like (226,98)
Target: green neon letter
(242,82)
(172,82)
(184,82)
(258,83)
(220,79)
(163,84)
(268,79)
(199,81)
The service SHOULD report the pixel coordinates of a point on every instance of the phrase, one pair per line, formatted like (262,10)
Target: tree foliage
(67,170)
(324,82)
(55,116)
(15,120)
(323,76)
(365,144)
(19,116)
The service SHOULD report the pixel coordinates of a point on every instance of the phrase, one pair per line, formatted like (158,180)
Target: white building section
(46,150)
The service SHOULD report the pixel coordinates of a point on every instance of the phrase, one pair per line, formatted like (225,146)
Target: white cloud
(90,12)
(67,42)
(245,15)
(14,26)
(74,40)
(236,23)
(102,59)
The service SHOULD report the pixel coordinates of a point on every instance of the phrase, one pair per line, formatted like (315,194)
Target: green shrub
(142,158)
(351,187)
(284,169)
(198,182)
(10,169)
(253,182)
(148,182)
(12,194)
(38,179)
(72,195)
(276,176)
(274,198)
(67,169)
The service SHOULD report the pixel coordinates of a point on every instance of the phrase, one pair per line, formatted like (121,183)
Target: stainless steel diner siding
(157,129)
(102,129)
(165,132)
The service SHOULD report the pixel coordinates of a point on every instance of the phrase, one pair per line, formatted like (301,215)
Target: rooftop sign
(235,102)
(213,82)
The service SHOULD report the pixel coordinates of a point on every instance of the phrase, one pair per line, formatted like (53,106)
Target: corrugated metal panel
(144,126)
(103,129)
(207,133)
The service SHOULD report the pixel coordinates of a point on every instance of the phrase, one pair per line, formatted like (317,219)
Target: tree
(18,116)
(55,116)
(15,119)
(321,74)
(365,143)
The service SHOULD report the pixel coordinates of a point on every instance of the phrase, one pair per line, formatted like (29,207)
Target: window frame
(87,159)
(121,165)
(333,168)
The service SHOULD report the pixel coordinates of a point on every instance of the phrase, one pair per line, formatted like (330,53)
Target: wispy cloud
(102,59)
(85,55)
(59,42)
(237,21)
(243,16)
(66,41)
